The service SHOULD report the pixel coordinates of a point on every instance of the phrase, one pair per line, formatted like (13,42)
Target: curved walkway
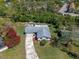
(29,46)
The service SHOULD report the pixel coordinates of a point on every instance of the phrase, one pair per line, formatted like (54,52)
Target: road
(29,46)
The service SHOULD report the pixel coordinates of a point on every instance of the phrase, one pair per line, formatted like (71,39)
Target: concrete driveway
(29,46)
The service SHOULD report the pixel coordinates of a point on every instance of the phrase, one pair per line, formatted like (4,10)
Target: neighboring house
(67,36)
(68,9)
(41,31)
(2,45)
(1,42)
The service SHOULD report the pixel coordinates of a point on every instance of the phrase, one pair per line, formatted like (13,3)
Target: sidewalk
(29,46)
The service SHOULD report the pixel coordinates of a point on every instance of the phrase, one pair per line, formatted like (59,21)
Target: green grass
(3,20)
(20,28)
(49,52)
(1,2)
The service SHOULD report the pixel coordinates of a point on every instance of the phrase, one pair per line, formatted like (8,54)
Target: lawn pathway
(29,46)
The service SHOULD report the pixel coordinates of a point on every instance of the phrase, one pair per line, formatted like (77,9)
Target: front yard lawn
(49,52)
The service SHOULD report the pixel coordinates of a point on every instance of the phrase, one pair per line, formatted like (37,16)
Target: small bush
(42,42)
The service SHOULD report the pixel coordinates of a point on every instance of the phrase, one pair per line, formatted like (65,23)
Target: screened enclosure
(69,35)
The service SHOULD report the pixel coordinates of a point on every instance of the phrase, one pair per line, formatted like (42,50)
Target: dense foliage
(11,38)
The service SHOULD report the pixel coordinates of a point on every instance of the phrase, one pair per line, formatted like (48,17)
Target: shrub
(11,33)
(42,42)
(2,13)
(11,38)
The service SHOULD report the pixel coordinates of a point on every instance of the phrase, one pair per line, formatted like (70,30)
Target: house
(1,42)
(41,31)
(2,45)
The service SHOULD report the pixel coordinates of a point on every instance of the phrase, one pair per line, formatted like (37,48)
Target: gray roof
(41,31)
(1,42)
